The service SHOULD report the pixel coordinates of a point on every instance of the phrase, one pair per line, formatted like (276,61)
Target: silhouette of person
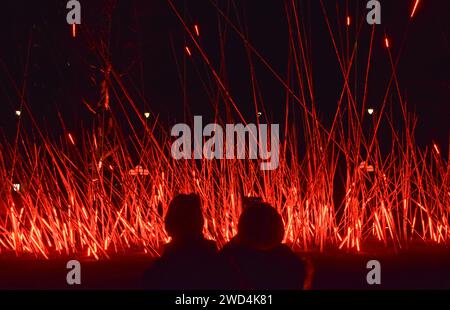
(189,261)
(258,255)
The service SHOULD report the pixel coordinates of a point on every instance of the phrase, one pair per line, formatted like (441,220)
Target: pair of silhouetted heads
(260,225)
(254,259)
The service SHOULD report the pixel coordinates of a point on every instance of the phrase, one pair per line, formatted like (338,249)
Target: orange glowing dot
(348,21)
(188,51)
(386,41)
(197,30)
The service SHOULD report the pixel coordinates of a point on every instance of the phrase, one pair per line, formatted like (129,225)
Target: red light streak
(73,207)
(436,149)
(416,4)
(188,50)
(71,139)
(197,30)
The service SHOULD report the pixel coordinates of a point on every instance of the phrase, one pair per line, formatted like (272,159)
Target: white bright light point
(370,111)
(147,114)
(259,114)
(16,187)
(18,113)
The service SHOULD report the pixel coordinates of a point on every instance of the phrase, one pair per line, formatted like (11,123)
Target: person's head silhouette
(260,226)
(184,219)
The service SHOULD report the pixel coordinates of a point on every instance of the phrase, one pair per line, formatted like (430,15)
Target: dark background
(146,46)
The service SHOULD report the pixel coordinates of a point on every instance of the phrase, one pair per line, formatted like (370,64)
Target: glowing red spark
(416,4)
(74,30)
(197,30)
(71,139)
(188,51)
(348,21)
(387,43)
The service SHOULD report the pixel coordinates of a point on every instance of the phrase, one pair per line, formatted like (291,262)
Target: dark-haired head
(260,226)
(184,218)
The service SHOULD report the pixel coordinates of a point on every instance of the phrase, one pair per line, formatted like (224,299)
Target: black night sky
(146,46)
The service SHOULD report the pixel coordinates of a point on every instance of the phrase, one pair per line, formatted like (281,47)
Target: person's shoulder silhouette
(257,253)
(189,261)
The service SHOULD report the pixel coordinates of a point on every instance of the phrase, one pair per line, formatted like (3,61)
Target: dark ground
(424,268)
